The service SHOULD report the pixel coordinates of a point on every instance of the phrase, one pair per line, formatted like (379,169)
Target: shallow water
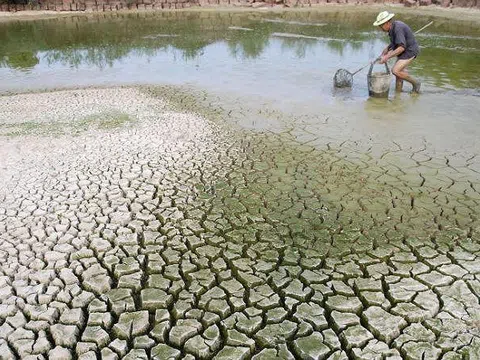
(275,52)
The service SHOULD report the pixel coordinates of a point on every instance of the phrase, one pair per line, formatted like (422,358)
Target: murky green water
(253,53)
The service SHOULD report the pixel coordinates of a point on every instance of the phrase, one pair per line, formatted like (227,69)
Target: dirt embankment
(53,7)
(457,13)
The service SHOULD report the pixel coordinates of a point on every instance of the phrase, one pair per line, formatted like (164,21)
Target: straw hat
(383,17)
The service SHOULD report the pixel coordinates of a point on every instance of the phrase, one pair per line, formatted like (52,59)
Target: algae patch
(100,121)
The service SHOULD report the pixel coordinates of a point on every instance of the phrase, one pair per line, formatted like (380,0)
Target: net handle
(423,28)
(370,63)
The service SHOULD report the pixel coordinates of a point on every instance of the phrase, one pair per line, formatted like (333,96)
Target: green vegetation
(104,121)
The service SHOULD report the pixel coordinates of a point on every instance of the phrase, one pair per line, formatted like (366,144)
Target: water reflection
(334,39)
(249,45)
(300,47)
(24,60)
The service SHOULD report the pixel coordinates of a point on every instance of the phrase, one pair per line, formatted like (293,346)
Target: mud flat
(141,227)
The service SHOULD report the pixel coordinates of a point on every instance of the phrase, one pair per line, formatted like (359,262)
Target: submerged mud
(177,234)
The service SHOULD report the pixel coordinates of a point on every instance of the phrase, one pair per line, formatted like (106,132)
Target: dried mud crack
(129,229)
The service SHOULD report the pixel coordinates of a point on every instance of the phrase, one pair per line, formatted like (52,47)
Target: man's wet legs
(398,84)
(401,74)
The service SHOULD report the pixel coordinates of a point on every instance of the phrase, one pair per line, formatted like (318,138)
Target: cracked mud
(139,231)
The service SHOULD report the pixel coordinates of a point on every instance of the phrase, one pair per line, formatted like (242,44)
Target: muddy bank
(106,6)
(467,13)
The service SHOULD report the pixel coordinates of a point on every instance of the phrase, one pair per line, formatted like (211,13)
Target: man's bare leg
(398,84)
(400,72)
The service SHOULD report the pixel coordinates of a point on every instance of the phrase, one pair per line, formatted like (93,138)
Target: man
(402,45)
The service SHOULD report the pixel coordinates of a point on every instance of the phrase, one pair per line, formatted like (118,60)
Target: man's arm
(396,47)
(391,53)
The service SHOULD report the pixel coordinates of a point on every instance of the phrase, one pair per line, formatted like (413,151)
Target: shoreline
(467,14)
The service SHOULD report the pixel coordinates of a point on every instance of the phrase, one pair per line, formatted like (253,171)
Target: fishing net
(343,78)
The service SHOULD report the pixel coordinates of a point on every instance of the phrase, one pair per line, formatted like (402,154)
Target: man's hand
(390,54)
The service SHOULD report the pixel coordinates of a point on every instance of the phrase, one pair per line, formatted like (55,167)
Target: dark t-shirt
(401,34)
